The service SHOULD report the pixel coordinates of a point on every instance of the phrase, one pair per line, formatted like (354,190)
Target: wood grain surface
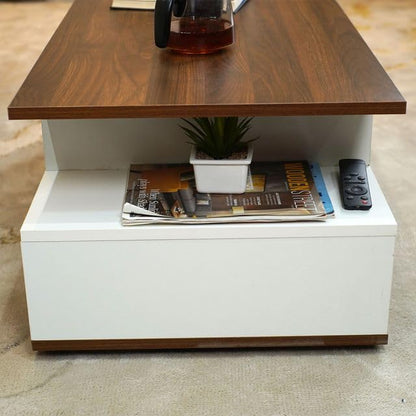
(290,57)
(197,343)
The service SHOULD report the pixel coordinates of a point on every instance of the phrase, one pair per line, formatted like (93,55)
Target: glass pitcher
(194,26)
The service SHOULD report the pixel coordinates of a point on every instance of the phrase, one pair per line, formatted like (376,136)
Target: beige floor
(357,381)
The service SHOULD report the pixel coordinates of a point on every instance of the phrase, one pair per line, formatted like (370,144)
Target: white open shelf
(105,281)
(84,205)
(89,278)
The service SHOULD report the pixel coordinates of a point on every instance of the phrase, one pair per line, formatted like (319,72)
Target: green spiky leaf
(218,137)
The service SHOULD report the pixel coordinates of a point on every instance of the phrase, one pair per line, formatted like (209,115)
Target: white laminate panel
(208,288)
(116,143)
(86,205)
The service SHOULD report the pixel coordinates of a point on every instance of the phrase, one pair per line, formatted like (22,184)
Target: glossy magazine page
(276,191)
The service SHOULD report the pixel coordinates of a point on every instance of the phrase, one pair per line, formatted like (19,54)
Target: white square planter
(221,176)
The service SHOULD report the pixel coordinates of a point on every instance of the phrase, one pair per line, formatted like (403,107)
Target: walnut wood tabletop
(291,57)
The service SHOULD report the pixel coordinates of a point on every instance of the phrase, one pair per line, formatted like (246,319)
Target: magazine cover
(276,191)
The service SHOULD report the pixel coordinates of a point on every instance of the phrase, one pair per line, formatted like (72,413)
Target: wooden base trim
(194,343)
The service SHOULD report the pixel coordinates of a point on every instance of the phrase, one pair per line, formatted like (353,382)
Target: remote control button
(350,197)
(364,202)
(356,190)
(347,178)
(354,174)
(361,178)
(364,198)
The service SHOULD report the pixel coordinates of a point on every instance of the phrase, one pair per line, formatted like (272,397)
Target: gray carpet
(356,381)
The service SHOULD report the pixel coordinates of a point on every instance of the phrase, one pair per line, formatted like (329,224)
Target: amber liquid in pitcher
(200,36)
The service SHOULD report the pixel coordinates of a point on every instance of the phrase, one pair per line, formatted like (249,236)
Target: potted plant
(220,157)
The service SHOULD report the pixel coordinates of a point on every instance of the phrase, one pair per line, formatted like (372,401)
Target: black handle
(163,16)
(179,7)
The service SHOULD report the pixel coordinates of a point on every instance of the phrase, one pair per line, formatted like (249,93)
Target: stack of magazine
(275,192)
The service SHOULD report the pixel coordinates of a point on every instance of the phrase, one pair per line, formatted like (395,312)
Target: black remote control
(355,191)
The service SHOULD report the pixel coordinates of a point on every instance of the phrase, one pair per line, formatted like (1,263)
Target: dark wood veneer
(194,343)
(291,57)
